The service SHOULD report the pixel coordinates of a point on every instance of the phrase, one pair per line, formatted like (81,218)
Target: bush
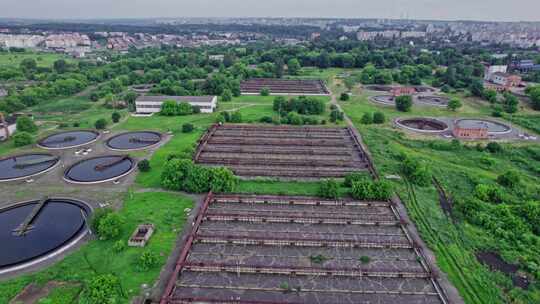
(364,259)
(147,260)
(294,118)
(404,103)
(352,177)
(367,189)
(144,165)
(266,119)
(329,189)
(344,97)
(265,92)
(454,104)
(103,289)
(197,180)
(174,173)
(236,117)
(336,115)
(187,128)
(26,124)
(119,246)
(96,218)
(417,172)
(22,139)
(196,109)
(367,119)
(76,124)
(494,147)
(115,116)
(489,193)
(222,180)
(378,118)
(226,95)
(110,226)
(100,124)
(509,179)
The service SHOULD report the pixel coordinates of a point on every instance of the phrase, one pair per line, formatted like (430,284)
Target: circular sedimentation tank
(134,140)
(422,124)
(384,99)
(24,166)
(68,139)
(379,87)
(432,100)
(32,231)
(493,127)
(99,169)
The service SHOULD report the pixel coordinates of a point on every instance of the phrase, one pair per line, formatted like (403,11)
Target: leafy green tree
(222,180)
(226,95)
(147,260)
(293,66)
(144,165)
(265,92)
(510,103)
(344,97)
(197,180)
(60,66)
(367,118)
(477,88)
(21,139)
(404,103)
(236,117)
(184,108)
(26,124)
(417,172)
(110,226)
(115,116)
(454,104)
(329,188)
(490,95)
(294,118)
(130,97)
(100,124)
(378,118)
(353,176)
(175,172)
(168,108)
(28,65)
(103,289)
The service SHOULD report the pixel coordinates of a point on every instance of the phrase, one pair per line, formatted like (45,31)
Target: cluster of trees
(361,185)
(173,108)
(534,93)
(373,118)
(302,105)
(232,117)
(182,174)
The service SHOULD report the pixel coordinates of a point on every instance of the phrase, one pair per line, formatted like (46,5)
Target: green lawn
(165,210)
(42,59)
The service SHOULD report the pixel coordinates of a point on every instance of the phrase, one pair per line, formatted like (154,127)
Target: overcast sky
(495,10)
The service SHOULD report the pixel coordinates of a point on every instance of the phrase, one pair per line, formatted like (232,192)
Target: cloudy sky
(495,10)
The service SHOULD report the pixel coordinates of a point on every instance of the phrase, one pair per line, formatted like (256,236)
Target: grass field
(165,210)
(42,59)
(459,171)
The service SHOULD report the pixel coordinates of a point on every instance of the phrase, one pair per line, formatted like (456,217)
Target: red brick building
(470,133)
(398,91)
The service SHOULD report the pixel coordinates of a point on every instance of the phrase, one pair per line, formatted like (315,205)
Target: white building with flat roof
(146,104)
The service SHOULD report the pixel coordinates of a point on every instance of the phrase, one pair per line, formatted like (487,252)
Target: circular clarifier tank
(422,124)
(134,140)
(432,100)
(99,169)
(23,166)
(493,127)
(68,139)
(33,230)
(384,99)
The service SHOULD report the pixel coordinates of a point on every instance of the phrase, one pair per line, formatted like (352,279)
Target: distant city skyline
(480,10)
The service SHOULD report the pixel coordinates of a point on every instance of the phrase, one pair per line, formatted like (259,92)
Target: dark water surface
(68,139)
(88,170)
(12,167)
(133,140)
(56,224)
